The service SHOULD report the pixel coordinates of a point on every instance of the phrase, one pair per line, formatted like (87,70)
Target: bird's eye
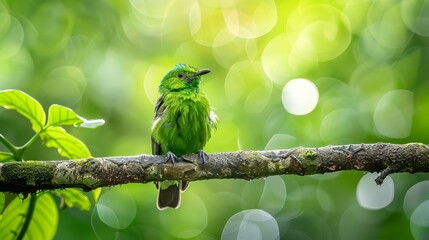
(180,75)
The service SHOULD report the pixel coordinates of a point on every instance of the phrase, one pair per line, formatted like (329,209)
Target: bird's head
(181,77)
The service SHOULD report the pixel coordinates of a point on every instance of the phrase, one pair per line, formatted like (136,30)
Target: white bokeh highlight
(254,224)
(415,195)
(300,96)
(419,222)
(273,196)
(393,114)
(372,196)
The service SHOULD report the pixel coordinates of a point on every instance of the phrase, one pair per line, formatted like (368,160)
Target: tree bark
(91,173)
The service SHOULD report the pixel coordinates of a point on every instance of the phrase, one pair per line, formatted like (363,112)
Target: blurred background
(284,74)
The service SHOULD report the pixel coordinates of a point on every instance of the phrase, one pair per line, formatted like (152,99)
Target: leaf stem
(28,217)
(12,148)
(20,150)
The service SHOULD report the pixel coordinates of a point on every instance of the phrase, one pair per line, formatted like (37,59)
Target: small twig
(383,174)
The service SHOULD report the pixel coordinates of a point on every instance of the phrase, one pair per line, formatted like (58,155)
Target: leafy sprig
(49,131)
(38,216)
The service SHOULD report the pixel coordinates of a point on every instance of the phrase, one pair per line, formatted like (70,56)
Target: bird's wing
(156,147)
(159,107)
(159,111)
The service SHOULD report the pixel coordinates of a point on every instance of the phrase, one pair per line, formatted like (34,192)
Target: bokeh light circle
(373,81)
(102,230)
(20,68)
(53,26)
(234,51)
(248,77)
(249,19)
(356,12)
(151,8)
(397,105)
(189,220)
(4,19)
(254,224)
(273,196)
(300,96)
(415,196)
(387,27)
(154,19)
(65,85)
(335,127)
(419,222)
(368,48)
(372,196)
(11,36)
(319,32)
(203,29)
(275,60)
(325,199)
(281,141)
(116,209)
(272,192)
(415,14)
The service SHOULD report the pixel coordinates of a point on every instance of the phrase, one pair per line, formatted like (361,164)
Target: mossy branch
(88,174)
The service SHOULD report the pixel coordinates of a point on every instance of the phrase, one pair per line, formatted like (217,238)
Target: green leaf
(44,220)
(68,146)
(59,115)
(2,201)
(24,105)
(74,198)
(96,194)
(6,157)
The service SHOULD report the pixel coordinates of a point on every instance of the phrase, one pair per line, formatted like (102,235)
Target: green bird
(183,124)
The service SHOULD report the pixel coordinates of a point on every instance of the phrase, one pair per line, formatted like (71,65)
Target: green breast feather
(186,124)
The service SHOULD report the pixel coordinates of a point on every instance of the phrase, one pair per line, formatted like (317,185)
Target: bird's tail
(169,193)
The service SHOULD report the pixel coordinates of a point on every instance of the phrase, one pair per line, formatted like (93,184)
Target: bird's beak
(202,72)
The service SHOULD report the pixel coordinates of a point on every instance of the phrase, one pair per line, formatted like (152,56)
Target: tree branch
(88,174)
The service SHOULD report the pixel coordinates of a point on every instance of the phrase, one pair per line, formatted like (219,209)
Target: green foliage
(59,116)
(24,105)
(52,135)
(68,146)
(31,219)
(74,198)
(2,201)
(43,222)
(6,157)
(96,194)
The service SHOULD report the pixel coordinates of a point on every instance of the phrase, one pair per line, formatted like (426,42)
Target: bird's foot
(171,157)
(202,156)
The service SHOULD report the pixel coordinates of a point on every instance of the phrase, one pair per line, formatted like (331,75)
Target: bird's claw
(171,157)
(202,156)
